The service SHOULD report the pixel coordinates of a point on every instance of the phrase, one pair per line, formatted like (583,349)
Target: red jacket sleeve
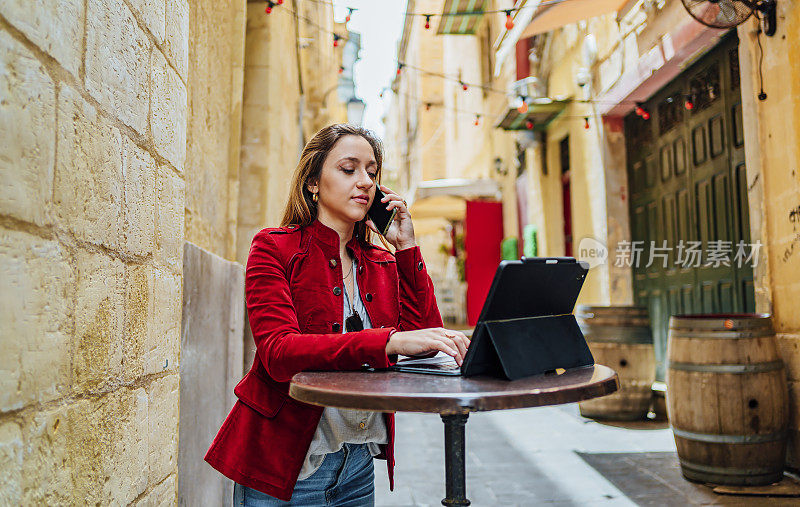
(280,346)
(418,309)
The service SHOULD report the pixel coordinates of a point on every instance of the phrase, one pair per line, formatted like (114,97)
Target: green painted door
(687,178)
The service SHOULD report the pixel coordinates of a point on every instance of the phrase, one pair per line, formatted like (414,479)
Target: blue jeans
(345,478)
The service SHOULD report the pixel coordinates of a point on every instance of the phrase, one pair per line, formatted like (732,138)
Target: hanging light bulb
(477,119)
(523,108)
(280,2)
(349,14)
(427,21)
(341,69)
(586,123)
(464,85)
(399,68)
(688,103)
(335,40)
(269,7)
(509,20)
(639,110)
(528,124)
(428,106)
(645,115)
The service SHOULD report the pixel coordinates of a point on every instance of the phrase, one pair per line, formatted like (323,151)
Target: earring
(314,197)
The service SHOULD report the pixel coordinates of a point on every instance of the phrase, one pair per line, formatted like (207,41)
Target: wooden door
(687,178)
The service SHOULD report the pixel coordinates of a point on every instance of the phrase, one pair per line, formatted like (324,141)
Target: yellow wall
(93,166)
(772,151)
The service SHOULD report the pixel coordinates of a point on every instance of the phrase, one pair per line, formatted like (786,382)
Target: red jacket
(293,287)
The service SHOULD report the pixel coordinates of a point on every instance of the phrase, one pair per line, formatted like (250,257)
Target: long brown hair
(301,208)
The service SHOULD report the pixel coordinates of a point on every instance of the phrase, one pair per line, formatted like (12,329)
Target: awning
(460,17)
(445,199)
(540,113)
(549,17)
(456,187)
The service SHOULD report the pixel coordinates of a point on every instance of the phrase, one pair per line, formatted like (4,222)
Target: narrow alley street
(546,456)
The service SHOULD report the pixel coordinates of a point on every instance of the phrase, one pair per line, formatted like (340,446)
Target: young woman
(320,296)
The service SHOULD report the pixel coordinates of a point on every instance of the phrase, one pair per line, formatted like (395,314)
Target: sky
(380,23)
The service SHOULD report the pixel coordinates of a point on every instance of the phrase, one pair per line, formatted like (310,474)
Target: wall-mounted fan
(729,13)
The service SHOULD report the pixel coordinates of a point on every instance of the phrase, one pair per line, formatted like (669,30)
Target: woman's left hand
(401,232)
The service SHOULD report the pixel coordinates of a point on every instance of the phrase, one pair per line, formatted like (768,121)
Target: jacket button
(337,291)
(332,263)
(369,296)
(336,327)
(419,266)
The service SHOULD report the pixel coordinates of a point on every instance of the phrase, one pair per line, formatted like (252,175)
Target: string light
(639,109)
(349,14)
(427,21)
(586,122)
(645,115)
(688,103)
(509,20)
(269,7)
(335,40)
(477,119)
(464,86)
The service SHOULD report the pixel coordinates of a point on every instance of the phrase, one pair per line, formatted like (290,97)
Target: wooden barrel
(620,337)
(727,398)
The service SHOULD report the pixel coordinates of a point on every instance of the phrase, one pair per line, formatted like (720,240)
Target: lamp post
(355,111)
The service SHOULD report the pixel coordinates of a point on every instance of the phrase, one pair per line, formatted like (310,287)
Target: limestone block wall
(272,135)
(93,121)
(214,118)
(772,153)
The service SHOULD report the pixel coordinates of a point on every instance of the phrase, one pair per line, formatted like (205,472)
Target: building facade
(144,143)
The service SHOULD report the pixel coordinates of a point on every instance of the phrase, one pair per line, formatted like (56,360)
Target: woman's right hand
(420,341)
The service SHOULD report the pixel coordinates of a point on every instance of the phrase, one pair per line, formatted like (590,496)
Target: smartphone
(381,217)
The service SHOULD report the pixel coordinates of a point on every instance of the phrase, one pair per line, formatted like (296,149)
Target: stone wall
(215,74)
(93,122)
(772,152)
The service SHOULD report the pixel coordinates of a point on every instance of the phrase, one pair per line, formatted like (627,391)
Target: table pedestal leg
(454,457)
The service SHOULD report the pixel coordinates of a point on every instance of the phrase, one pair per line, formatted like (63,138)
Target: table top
(388,391)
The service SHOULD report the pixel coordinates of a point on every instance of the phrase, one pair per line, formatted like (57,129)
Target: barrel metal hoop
(727,368)
(731,335)
(617,334)
(696,467)
(729,439)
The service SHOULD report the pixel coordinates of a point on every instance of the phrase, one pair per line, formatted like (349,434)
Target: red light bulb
(509,21)
(586,123)
(341,69)
(688,104)
(528,124)
(639,110)
(523,108)
(427,22)
(464,86)
(646,115)
(477,120)
(280,2)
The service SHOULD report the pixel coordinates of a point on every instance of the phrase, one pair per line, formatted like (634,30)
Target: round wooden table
(451,397)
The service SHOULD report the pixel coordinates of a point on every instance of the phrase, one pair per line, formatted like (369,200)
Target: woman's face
(347,181)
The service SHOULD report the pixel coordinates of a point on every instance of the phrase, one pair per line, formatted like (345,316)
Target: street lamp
(355,111)
(501,169)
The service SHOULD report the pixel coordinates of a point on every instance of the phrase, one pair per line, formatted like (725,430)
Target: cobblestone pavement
(549,456)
